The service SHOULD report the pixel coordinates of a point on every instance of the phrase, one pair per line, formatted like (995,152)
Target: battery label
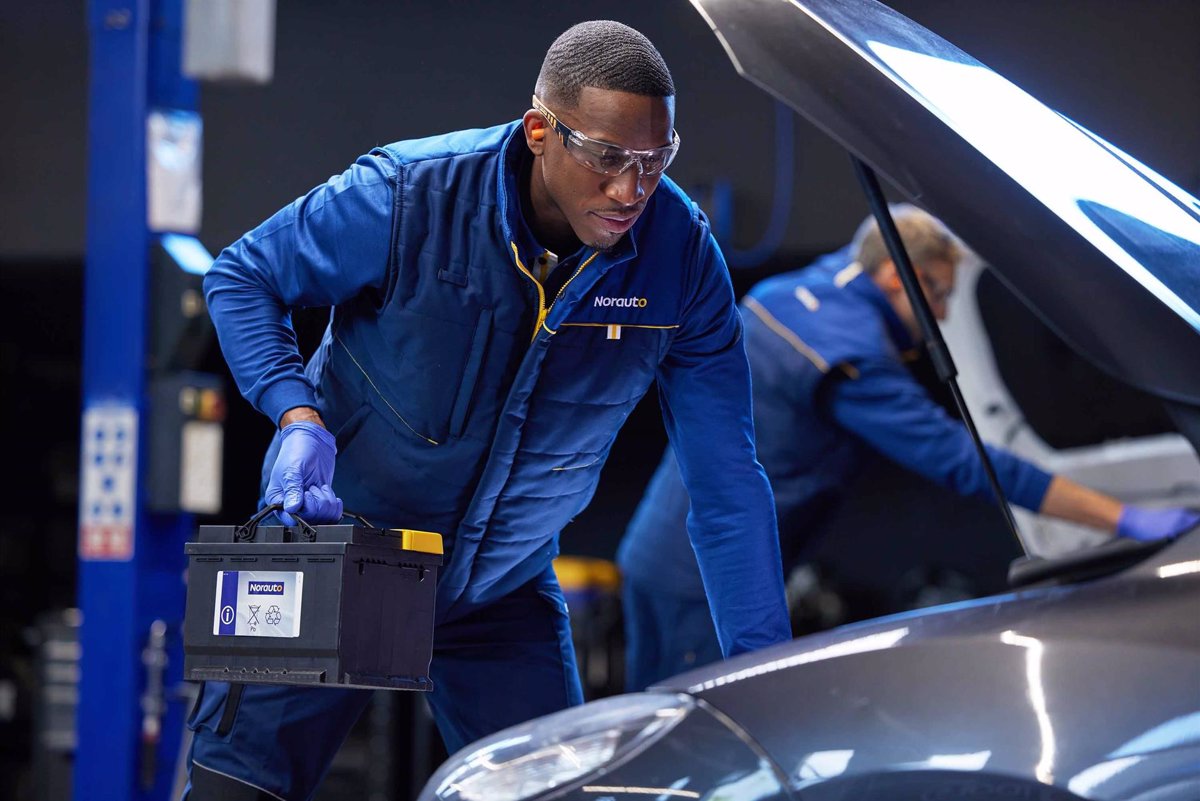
(258,604)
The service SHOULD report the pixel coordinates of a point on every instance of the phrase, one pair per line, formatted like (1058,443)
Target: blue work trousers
(665,634)
(493,667)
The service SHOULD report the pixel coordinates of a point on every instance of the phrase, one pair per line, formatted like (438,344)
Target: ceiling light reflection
(1179,569)
(1180,732)
(1048,156)
(972,761)
(870,642)
(1085,782)
(1034,650)
(664,792)
(824,765)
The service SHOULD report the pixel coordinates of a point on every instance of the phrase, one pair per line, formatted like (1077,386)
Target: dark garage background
(350,74)
(353,73)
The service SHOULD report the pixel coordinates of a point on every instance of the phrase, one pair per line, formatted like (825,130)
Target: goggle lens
(605,158)
(610,160)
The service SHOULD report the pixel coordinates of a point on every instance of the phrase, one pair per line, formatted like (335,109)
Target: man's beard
(609,248)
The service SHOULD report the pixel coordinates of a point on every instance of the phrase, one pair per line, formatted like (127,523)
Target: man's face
(937,282)
(569,199)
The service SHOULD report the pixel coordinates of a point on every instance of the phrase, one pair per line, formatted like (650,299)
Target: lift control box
(345,605)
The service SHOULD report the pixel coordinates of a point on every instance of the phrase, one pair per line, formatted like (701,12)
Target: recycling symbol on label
(273,615)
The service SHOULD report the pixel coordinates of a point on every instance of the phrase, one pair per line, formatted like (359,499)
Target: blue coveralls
(466,401)
(826,356)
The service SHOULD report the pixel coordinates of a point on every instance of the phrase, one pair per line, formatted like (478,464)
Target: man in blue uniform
(501,300)
(826,347)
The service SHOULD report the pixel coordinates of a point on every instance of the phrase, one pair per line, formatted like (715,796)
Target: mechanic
(501,298)
(827,346)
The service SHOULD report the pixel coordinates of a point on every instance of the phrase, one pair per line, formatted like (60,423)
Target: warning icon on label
(227,615)
(273,615)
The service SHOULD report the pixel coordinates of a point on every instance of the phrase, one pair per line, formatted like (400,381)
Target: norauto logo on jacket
(624,303)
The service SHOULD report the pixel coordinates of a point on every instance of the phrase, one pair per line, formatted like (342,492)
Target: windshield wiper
(1083,564)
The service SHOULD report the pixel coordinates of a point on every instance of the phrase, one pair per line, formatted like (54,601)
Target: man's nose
(627,187)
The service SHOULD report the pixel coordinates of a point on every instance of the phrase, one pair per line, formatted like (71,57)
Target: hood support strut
(938,352)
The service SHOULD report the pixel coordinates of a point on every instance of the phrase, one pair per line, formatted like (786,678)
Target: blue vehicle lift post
(131,560)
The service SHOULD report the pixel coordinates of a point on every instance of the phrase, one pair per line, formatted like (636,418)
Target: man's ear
(535,131)
(888,277)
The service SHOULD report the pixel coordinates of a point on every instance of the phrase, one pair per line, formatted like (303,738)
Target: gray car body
(1091,687)
(1055,692)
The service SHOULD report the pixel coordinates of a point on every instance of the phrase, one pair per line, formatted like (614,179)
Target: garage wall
(354,73)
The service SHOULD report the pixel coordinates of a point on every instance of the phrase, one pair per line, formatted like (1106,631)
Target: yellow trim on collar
(542,310)
(561,290)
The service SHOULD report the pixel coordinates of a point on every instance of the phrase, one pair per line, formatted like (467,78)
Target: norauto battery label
(258,604)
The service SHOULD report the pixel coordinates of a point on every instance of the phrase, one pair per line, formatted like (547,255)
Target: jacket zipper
(543,309)
(563,288)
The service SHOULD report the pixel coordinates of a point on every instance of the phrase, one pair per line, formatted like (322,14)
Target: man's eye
(611,161)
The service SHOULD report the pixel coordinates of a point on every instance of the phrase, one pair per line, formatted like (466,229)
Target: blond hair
(925,238)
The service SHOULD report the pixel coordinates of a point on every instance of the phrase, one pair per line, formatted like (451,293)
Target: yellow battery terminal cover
(423,541)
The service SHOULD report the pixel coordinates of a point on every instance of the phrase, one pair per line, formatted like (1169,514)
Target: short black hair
(605,55)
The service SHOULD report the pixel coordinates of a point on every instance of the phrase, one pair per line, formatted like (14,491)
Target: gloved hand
(303,473)
(1145,525)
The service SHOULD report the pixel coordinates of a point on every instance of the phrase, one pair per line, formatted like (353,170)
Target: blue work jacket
(826,353)
(466,401)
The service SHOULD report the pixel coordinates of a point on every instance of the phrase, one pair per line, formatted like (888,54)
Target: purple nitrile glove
(302,475)
(1146,525)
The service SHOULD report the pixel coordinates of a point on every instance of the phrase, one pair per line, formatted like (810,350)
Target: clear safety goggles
(606,158)
(935,290)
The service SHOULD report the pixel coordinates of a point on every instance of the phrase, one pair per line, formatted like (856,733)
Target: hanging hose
(781,204)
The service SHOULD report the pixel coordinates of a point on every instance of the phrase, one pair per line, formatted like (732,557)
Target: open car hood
(1103,248)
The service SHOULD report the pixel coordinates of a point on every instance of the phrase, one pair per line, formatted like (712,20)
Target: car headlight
(525,760)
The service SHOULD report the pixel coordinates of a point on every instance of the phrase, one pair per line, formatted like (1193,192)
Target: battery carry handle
(356,516)
(246,530)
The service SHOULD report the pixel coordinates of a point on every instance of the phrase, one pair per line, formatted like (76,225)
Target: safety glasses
(606,158)
(935,290)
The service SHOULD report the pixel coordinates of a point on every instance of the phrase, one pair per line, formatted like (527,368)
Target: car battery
(345,605)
